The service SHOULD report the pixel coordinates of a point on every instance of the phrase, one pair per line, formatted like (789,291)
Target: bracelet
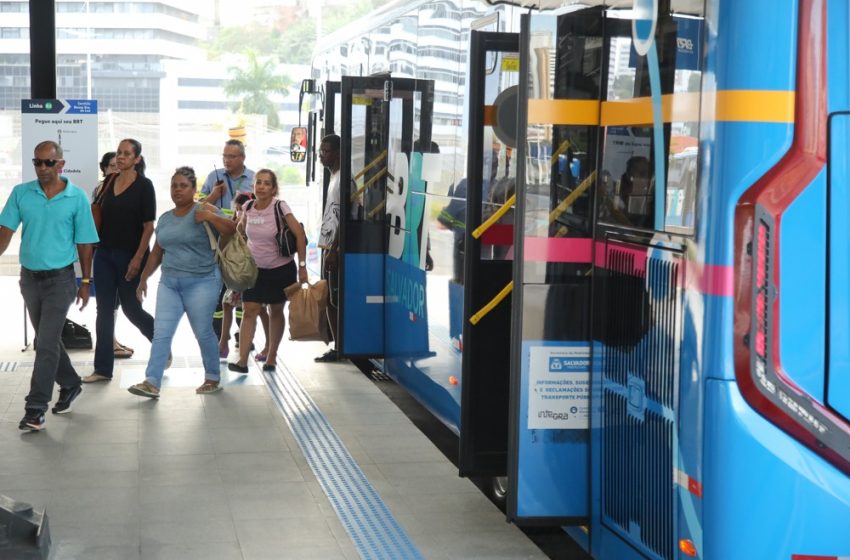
(85,281)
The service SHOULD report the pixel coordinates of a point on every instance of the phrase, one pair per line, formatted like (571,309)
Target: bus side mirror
(298,144)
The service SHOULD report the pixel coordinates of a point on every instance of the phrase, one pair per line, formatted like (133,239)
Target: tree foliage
(298,41)
(624,86)
(291,37)
(255,83)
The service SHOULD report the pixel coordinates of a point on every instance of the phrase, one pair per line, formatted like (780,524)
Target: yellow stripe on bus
(722,106)
(563,111)
(752,106)
(678,107)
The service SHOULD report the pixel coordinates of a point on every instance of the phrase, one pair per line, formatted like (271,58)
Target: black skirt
(270,284)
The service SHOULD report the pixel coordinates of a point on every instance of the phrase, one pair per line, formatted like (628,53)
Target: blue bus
(597,240)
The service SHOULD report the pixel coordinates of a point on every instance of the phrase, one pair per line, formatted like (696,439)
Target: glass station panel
(499,153)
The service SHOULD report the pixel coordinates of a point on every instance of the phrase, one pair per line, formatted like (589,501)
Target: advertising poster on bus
(559,387)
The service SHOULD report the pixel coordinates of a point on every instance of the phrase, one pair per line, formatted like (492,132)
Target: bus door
(646,479)
(490,186)
(330,125)
(379,118)
(561,66)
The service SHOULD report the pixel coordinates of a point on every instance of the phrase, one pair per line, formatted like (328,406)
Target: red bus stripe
(498,234)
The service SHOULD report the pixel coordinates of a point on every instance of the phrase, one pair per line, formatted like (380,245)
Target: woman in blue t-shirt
(190,282)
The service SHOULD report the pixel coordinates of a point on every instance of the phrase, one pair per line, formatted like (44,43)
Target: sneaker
(145,389)
(32,421)
(66,397)
(329,356)
(96,378)
(237,368)
(209,387)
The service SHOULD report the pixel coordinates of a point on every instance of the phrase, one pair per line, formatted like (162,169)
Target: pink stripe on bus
(558,249)
(711,279)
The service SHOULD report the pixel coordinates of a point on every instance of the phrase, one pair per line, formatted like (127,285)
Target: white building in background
(144,63)
(110,51)
(196,117)
(241,12)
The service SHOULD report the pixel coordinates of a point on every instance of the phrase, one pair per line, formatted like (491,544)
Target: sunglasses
(48,162)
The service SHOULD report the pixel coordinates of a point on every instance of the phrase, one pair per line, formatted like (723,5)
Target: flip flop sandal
(122,353)
(208,388)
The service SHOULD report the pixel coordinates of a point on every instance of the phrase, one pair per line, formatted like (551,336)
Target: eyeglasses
(48,162)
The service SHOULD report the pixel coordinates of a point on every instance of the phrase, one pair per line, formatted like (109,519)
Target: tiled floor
(221,476)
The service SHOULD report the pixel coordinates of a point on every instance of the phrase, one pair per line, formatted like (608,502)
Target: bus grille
(641,317)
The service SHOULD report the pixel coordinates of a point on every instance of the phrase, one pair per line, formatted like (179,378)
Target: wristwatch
(302,264)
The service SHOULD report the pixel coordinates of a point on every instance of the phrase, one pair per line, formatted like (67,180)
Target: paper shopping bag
(307,305)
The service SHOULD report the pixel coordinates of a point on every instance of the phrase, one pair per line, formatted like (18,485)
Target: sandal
(237,368)
(260,357)
(95,377)
(209,387)
(145,389)
(122,352)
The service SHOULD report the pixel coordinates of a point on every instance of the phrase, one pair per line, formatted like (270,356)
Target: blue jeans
(197,297)
(48,299)
(110,266)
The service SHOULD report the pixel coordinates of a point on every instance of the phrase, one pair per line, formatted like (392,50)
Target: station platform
(312,461)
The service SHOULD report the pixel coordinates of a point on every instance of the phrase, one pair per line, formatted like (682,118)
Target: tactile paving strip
(366,518)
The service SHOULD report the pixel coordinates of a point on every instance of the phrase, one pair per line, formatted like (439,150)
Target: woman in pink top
(276,272)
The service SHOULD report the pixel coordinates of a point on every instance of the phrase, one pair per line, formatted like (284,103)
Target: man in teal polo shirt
(58,226)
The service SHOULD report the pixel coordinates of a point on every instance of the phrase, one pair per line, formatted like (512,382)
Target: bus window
(629,192)
(565,68)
